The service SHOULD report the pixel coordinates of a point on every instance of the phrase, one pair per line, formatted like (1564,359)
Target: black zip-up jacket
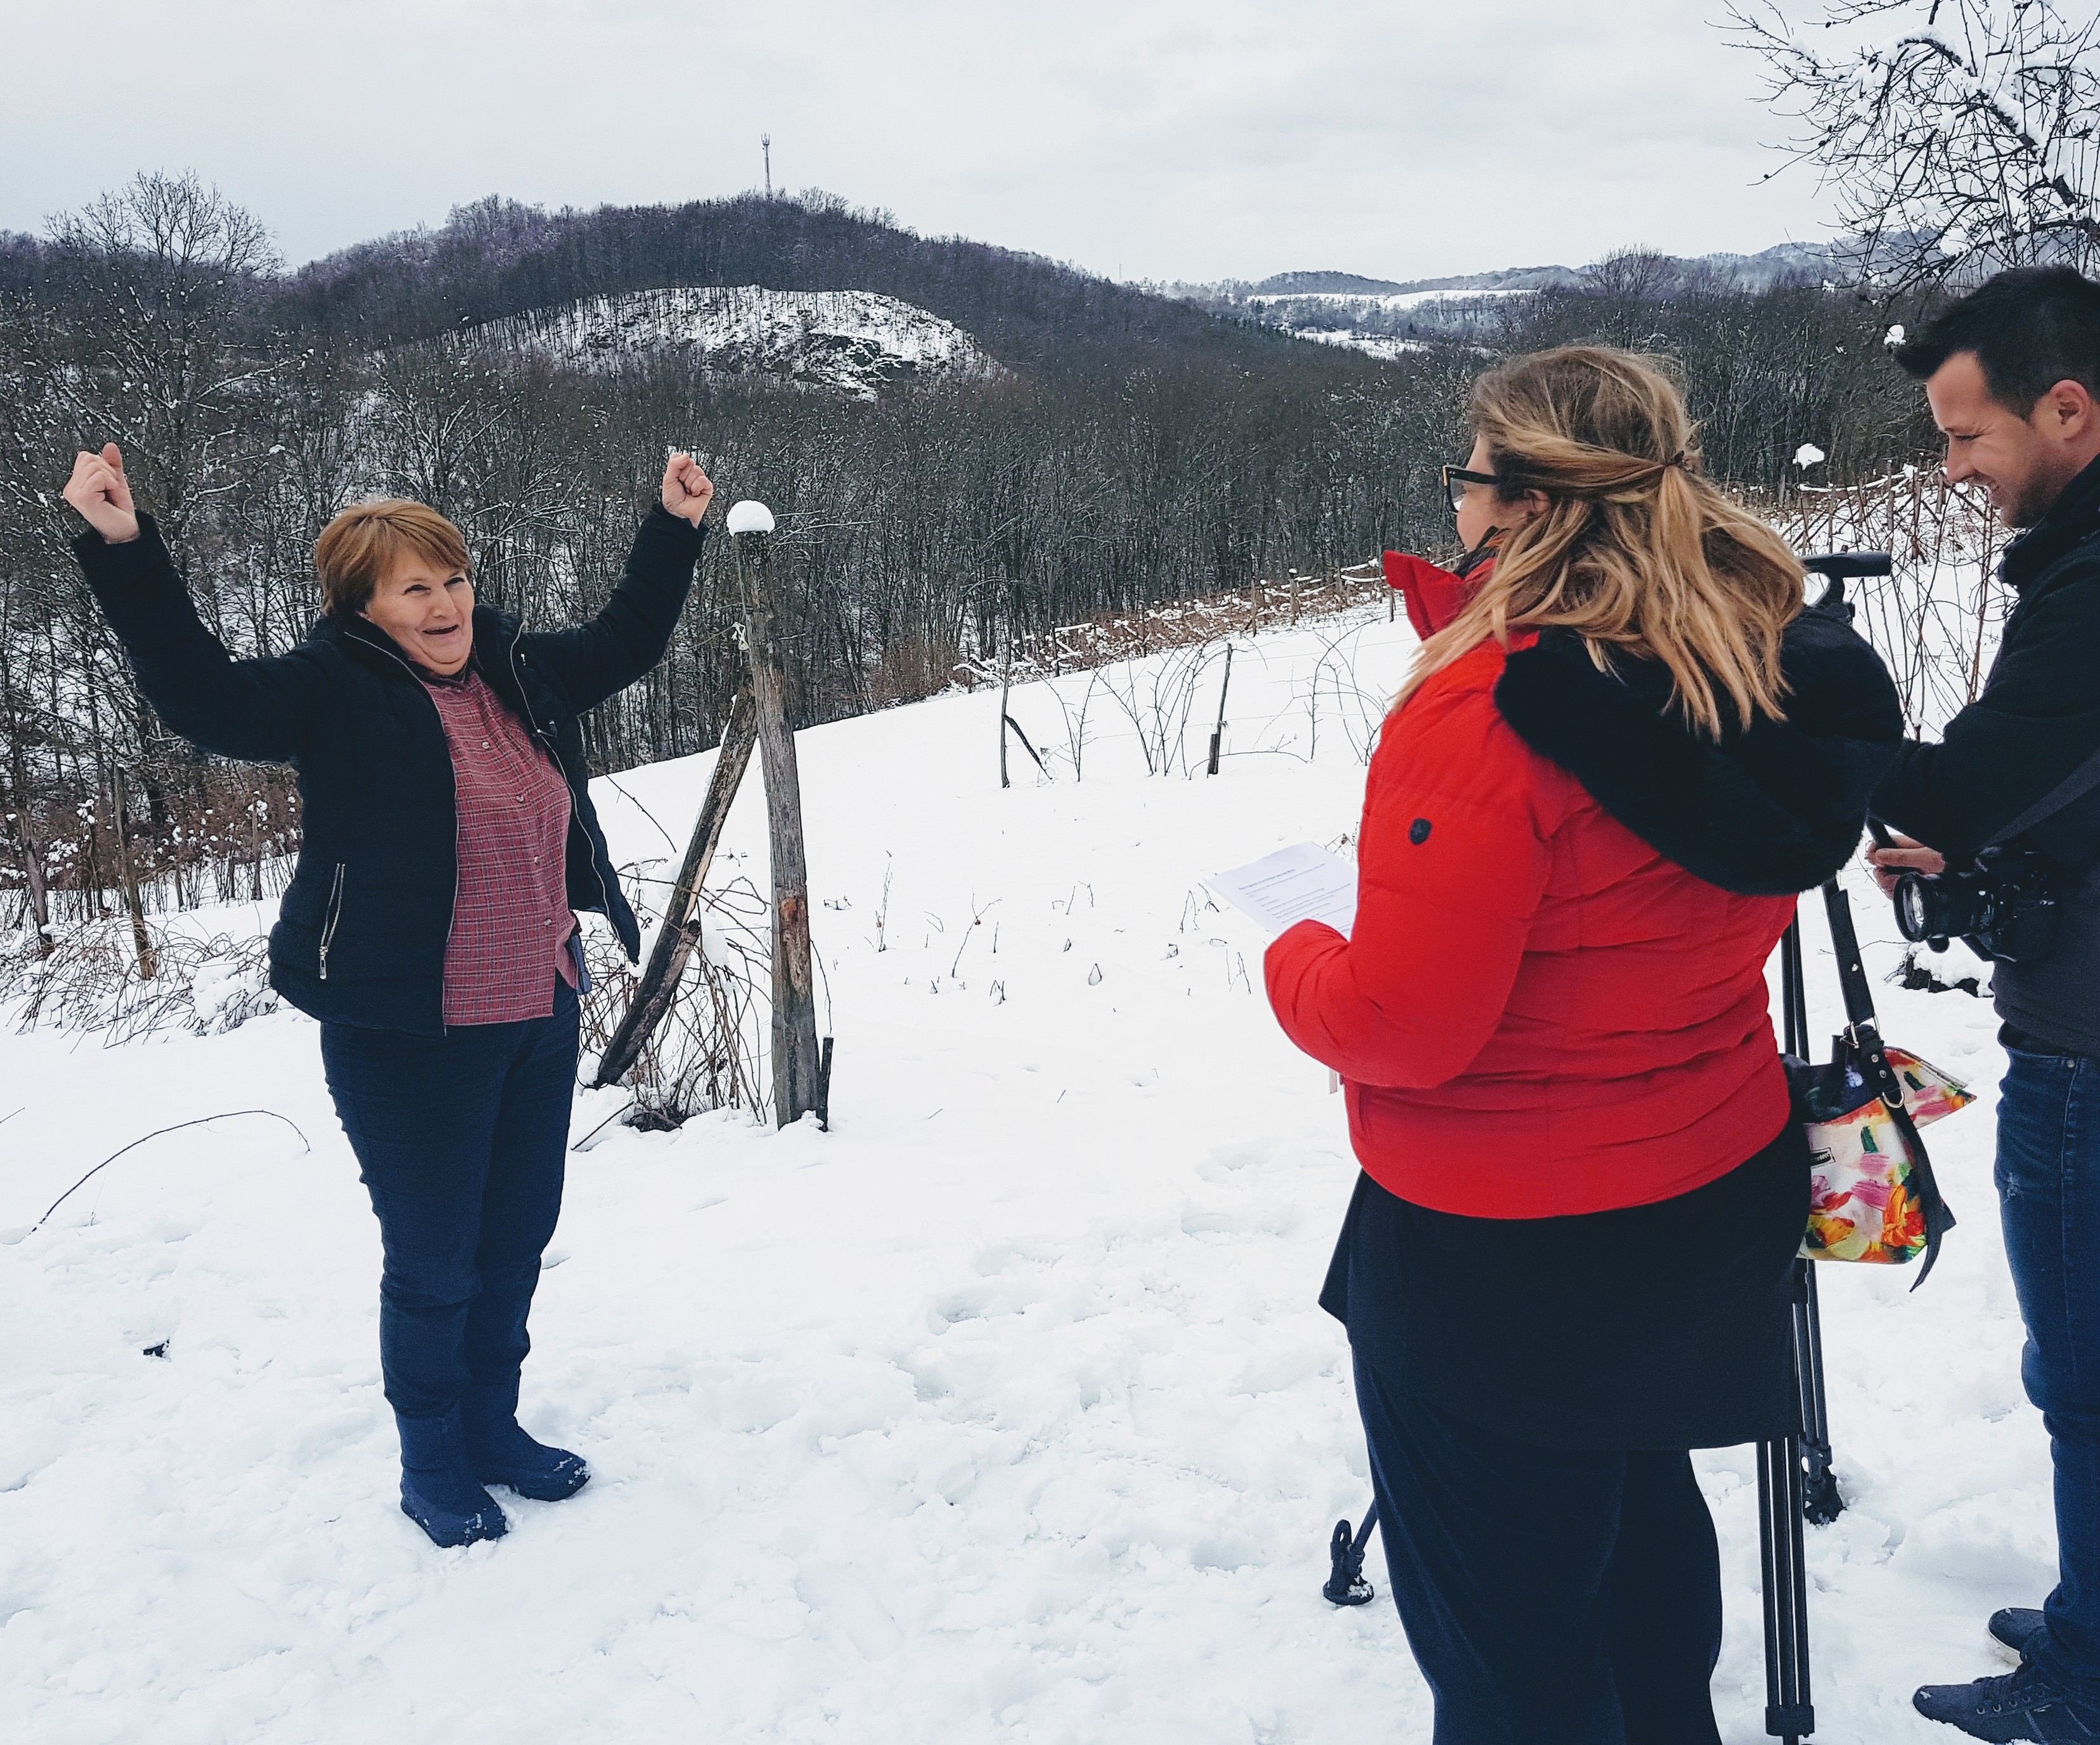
(360,936)
(2036,721)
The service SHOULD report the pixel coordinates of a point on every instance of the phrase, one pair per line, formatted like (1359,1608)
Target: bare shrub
(1936,618)
(710,1051)
(89,983)
(1182,640)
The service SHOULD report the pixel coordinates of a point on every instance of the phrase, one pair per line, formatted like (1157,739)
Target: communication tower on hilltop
(766,145)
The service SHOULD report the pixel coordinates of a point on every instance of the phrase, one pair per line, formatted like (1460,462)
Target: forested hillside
(1119,449)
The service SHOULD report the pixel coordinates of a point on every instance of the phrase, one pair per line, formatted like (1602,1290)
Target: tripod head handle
(1836,567)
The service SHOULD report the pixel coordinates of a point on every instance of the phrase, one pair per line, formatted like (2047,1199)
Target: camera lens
(1914,909)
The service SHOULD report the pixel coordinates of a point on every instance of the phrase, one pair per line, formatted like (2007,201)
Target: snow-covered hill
(1002,1412)
(856,342)
(1385,317)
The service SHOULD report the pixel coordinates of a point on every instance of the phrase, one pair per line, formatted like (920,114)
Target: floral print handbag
(1872,1194)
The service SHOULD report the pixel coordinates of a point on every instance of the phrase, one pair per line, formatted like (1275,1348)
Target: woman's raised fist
(687,491)
(101,492)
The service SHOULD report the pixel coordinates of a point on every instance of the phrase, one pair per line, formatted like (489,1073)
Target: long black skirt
(1656,1327)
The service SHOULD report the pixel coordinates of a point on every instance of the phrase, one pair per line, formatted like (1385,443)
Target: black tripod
(1795,1482)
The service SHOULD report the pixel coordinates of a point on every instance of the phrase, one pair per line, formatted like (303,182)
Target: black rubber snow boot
(502,1453)
(438,1492)
(2019,1627)
(2027,1705)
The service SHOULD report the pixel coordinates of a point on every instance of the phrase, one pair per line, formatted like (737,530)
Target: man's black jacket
(2036,722)
(360,937)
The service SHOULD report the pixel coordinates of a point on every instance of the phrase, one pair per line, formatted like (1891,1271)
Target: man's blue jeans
(2048,1196)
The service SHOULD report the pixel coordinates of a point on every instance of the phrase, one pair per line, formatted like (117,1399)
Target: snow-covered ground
(1002,1412)
(1437,312)
(1377,345)
(857,341)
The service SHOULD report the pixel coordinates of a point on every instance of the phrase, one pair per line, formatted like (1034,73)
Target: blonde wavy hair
(1636,552)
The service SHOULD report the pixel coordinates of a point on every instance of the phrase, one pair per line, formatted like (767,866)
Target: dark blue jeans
(2048,1197)
(1552,1597)
(461,1143)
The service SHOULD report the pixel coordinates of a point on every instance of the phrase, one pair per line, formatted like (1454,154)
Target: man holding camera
(2003,845)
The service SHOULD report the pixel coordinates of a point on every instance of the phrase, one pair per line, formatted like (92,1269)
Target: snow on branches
(1958,134)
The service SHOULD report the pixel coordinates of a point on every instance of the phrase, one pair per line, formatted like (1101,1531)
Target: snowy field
(1002,1412)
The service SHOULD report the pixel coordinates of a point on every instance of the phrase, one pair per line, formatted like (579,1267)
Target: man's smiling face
(2024,463)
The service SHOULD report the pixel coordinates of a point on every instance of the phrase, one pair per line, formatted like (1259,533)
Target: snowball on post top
(750,516)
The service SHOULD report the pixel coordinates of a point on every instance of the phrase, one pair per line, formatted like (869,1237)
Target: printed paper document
(1302,883)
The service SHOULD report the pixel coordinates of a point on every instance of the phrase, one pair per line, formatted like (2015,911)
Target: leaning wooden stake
(798,1076)
(658,990)
(1218,738)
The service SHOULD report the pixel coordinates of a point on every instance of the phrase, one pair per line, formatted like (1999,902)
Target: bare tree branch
(1959,141)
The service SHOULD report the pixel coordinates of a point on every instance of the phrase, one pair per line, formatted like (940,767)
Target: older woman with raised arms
(448,838)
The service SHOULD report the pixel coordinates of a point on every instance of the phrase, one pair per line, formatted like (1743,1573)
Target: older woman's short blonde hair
(362,544)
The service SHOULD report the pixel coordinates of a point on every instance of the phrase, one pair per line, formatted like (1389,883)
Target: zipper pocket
(335,914)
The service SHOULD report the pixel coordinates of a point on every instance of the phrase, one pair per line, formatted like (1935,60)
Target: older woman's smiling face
(428,611)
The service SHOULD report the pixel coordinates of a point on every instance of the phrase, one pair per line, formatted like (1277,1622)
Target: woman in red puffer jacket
(1624,748)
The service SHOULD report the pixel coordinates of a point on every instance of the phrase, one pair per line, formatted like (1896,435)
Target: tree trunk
(143,940)
(33,875)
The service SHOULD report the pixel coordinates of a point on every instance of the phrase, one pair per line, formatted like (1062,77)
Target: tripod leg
(1345,1585)
(1789,1714)
(1793,992)
(1777,1626)
(1822,1502)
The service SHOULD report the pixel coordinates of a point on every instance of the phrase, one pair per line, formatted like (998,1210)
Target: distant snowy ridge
(1386,316)
(855,343)
(1768,267)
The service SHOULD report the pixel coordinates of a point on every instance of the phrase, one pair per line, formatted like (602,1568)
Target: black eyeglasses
(1456,478)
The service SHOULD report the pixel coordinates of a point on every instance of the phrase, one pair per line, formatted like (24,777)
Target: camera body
(2004,907)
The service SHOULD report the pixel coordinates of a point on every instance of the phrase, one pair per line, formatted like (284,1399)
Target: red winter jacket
(1431,595)
(1553,999)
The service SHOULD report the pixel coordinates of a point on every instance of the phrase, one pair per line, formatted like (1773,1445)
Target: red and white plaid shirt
(511,921)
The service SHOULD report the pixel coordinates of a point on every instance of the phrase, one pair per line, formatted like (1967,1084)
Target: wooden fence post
(798,1086)
(1005,688)
(658,988)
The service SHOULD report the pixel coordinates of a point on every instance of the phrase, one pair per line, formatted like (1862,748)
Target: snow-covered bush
(90,982)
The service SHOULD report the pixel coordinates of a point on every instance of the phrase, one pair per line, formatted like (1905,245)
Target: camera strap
(2071,789)
(1862,1035)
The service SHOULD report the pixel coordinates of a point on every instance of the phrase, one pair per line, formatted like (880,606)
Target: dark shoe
(438,1489)
(2023,1705)
(2019,1627)
(502,1453)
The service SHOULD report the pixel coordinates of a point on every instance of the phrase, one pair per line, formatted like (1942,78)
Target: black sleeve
(257,710)
(625,640)
(2036,721)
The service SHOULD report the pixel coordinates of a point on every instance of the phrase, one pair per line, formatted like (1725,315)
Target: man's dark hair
(2029,327)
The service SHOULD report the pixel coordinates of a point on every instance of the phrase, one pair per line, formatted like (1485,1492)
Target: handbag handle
(1863,1034)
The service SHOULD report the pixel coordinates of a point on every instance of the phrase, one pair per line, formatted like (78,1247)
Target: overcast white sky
(1400,139)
